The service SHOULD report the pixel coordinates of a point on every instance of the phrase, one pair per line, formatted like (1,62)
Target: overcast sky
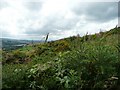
(33,19)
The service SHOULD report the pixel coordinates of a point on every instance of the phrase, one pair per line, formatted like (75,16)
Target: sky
(33,19)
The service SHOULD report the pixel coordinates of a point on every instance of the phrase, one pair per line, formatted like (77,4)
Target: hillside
(79,63)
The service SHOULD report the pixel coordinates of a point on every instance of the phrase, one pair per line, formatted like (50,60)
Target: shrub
(62,46)
(13,76)
(41,49)
(15,57)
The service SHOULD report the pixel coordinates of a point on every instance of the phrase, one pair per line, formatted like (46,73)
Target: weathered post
(46,38)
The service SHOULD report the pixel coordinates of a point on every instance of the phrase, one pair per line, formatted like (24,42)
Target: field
(73,63)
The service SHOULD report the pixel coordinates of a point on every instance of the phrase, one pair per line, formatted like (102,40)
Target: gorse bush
(62,46)
(41,49)
(14,57)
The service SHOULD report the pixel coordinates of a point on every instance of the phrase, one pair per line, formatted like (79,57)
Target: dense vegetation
(78,63)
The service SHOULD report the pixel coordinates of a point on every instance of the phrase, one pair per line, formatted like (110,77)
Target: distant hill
(10,44)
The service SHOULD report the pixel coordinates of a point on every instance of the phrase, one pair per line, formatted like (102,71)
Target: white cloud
(62,18)
(10,17)
(92,28)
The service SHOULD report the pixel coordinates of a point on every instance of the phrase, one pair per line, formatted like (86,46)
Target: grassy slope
(75,62)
